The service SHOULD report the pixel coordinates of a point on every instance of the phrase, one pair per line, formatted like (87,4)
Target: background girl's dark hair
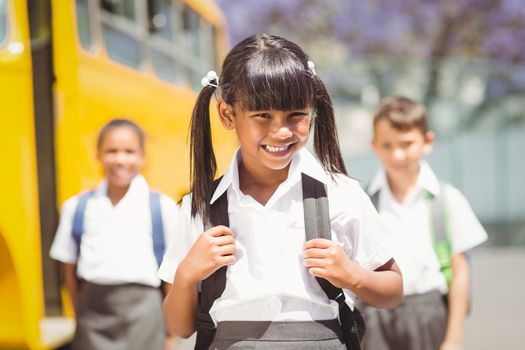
(119,123)
(262,72)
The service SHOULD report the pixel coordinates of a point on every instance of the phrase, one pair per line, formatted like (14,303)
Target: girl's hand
(326,259)
(213,249)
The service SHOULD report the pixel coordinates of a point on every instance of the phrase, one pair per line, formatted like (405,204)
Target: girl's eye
(263,115)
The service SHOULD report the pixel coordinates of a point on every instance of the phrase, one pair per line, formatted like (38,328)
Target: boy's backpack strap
(213,286)
(440,233)
(78,218)
(157,226)
(317,225)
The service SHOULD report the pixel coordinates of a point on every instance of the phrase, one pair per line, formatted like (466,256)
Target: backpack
(156,222)
(317,224)
(439,228)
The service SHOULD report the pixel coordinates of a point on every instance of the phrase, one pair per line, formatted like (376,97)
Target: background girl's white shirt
(268,281)
(116,246)
(411,239)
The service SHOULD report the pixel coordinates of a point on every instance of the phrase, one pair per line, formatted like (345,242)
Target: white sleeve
(170,217)
(466,230)
(364,237)
(186,231)
(64,247)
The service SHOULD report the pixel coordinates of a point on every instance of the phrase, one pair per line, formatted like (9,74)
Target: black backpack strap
(317,225)
(213,286)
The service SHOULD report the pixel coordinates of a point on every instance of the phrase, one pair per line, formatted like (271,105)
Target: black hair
(119,123)
(262,72)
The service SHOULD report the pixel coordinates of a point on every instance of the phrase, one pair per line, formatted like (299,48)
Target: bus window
(120,30)
(3,21)
(161,23)
(160,18)
(193,42)
(209,45)
(84,24)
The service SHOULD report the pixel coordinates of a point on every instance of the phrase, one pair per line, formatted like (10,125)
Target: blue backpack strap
(157,226)
(78,218)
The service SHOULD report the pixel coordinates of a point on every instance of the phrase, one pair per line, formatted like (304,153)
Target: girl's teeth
(276,149)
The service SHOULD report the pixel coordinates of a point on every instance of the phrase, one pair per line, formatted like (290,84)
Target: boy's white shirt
(409,223)
(117,245)
(268,281)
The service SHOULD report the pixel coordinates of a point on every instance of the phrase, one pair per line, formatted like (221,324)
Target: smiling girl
(269,94)
(110,273)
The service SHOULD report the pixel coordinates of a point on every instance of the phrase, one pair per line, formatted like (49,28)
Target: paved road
(498,306)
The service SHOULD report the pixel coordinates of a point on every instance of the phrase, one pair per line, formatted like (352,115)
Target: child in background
(270,95)
(111,275)
(404,192)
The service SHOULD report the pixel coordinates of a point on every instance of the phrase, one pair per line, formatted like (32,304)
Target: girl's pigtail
(203,165)
(326,143)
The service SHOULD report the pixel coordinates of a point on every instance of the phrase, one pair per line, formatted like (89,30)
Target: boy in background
(432,227)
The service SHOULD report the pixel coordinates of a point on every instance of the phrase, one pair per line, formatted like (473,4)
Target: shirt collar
(302,162)
(138,185)
(426,180)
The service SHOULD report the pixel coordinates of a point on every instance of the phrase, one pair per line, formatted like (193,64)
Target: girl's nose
(281,129)
(120,157)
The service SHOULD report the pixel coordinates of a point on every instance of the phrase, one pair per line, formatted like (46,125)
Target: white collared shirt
(268,281)
(116,245)
(411,238)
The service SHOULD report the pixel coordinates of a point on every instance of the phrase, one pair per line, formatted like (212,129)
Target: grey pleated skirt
(261,335)
(418,323)
(122,317)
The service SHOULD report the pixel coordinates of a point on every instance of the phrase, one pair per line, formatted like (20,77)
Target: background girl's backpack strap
(213,286)
(157,226)
(317,225)
(77,228)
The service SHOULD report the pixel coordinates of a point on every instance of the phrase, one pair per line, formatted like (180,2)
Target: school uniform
(421,319)
(119,305)
(268,282)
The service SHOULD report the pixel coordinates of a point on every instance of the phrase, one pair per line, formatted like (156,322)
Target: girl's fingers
(315,262)
(315,253)
(224,240)
(317,272)
(318,243)
(226,250)
(218,231)
(227,260)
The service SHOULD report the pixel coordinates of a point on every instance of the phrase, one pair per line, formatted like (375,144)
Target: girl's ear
(226,114)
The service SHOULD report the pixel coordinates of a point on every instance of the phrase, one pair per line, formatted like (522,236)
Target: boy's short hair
(403,113)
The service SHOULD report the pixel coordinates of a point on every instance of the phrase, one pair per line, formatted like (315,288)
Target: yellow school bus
(67,67)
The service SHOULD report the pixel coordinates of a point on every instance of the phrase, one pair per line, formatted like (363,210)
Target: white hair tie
(209,78)
(311,66)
